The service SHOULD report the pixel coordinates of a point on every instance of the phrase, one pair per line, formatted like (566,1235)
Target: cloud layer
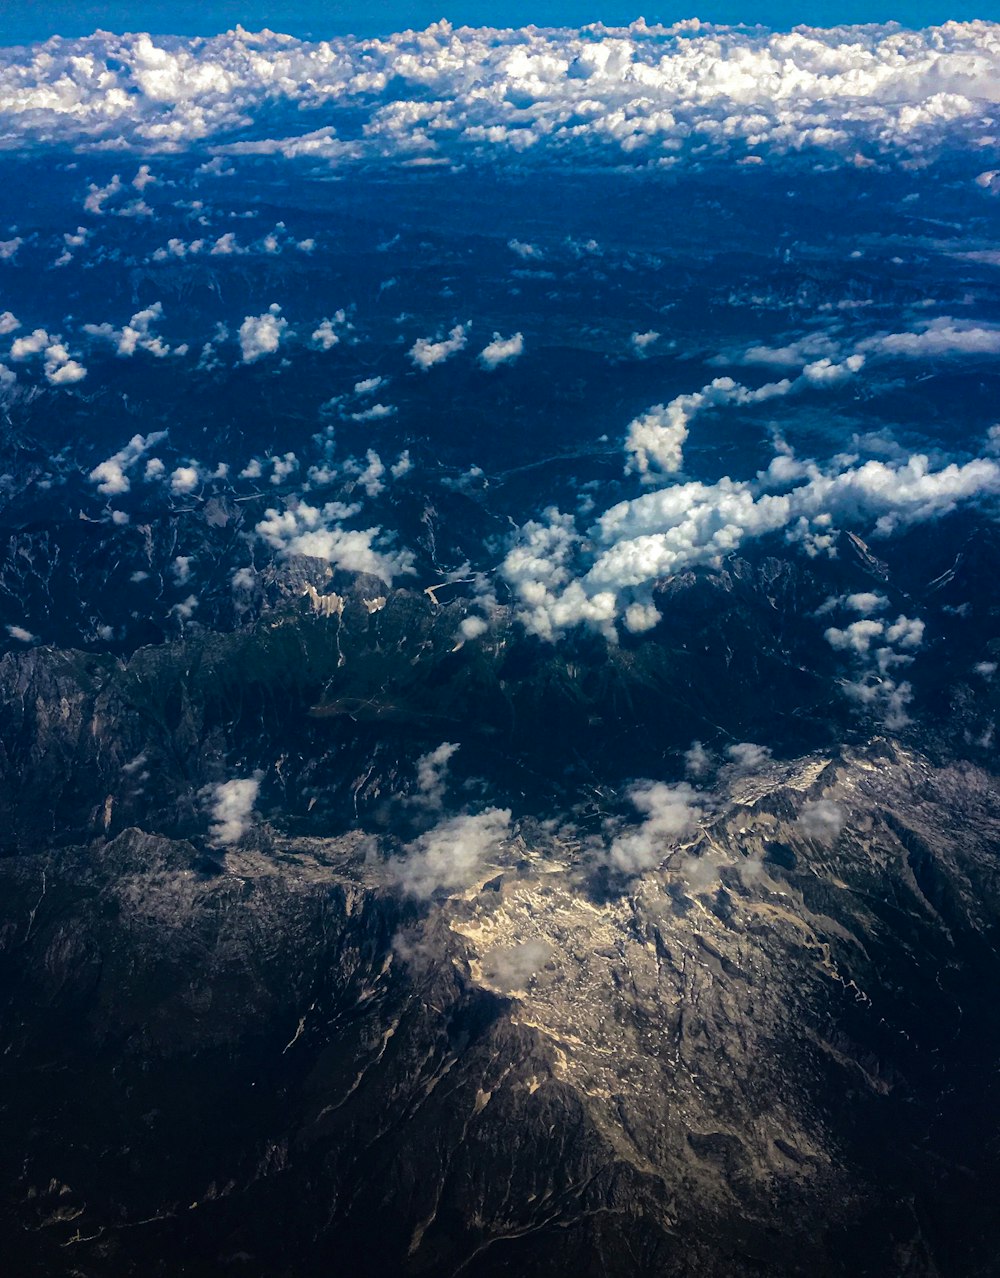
(644,92)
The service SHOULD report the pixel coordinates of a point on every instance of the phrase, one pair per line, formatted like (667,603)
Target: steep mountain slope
(751,1060)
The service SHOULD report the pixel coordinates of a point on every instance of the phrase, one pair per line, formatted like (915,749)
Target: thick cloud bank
(647,92)
(561,576)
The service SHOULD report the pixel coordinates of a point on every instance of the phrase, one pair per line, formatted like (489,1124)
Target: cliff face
(753,1059)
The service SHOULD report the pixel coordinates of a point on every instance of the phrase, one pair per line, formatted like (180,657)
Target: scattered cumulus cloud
(453,855)
(669,813)
(822,819)
(472,627)
(641,342)
(369,385)
(432,776)
(97,196)
(746,756)
(112,475)
(655,441)
(136,335)
(184,480)
(318,532)
(327,333)
(501,350)
(426,352)
(60,368)
(232,805)
(697,761)
(261,334)
(512,967)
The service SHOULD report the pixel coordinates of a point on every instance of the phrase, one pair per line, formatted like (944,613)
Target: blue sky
(28,20)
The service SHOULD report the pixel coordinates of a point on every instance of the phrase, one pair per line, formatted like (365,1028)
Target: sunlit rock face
(498,653)
(742,1053)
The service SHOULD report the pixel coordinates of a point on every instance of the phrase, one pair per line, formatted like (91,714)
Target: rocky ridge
(748,1060)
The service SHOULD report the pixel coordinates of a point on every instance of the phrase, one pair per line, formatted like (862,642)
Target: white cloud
(747,756)
(326,335)
(432,776)
(282,467)
(697,760)
(524,250)
(540,567)
(136,335)
(9,323)
(501,350)
(111,476)
(180,248)
(98,196)
(640,617)
(320,144)
(826,372)
(186,609)
(33,344)
(904,632)
(656,439)
(472,627)
(940,337)
(452,856)
(562,578)
(857,637)
(185,479)
(369,385)
(794,354)
(825,361)
(907,632)
(227,245)
(821,819)
(319,533)
(670,812)
(426,352)
(855,93)
(8,248)
(20,634)
(512,967)
(374,413)
(641,342)
(261,334)
(866,601)
(876,648)
(371,477)
(232,806)
(60,368)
